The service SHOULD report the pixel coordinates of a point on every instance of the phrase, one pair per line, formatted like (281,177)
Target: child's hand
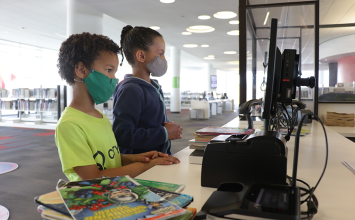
(146,157)
(174,130)
(165,160)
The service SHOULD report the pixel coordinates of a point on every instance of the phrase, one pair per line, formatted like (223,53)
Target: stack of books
(204,136)
(116,198)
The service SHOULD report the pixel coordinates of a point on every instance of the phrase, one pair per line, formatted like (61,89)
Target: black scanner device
(260,157)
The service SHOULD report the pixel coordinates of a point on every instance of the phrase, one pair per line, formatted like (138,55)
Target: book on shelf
(115,198)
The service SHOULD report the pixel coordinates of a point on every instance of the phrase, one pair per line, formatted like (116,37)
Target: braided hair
(85,48)
(137,38)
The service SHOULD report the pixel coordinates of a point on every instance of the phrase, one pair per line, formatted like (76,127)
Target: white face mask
(158,66)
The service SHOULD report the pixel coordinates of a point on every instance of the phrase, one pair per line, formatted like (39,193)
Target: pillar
(333,74)
(175,101)
(82,18)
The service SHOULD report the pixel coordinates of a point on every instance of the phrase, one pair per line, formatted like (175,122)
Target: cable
(312,202)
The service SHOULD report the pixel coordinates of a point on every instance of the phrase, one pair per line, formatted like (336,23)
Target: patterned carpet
(23,137)
(35,152)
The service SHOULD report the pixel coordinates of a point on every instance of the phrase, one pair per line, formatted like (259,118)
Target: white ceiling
(42,19)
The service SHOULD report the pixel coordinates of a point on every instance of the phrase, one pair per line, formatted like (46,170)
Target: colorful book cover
(178,199)
(224,130)
(114,198)
(187,216)
(171,187)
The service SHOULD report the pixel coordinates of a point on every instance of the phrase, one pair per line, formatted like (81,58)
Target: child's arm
(144,157)
(133,169)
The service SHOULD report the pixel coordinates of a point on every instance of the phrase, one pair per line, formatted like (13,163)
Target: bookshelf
(185,98)
(42,103)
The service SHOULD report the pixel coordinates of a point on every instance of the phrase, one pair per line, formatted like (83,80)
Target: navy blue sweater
(139,114)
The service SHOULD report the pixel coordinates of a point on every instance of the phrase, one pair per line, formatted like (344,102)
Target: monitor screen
(268,97)
(213,81)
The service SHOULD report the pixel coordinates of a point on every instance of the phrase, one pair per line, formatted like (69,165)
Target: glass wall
(295,31)
(24,66)
(337,64)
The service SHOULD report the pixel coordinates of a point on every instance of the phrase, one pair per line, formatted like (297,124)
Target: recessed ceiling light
(190,45)
(234,22)
(205,45)
(200,29)
(234,32)
(204,17)
(186,33)
(167,1)
(233,62)
(154,27)
(208,58)
(225,15)
(267,16)
(230,52)
(5,32)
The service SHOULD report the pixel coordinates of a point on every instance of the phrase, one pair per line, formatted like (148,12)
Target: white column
(81,18)
(175,102)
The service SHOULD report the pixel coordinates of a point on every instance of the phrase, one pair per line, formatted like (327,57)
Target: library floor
(39,168)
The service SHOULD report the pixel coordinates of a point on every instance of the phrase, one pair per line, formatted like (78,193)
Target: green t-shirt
(84,140)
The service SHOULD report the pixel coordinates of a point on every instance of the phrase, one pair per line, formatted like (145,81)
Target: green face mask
(100,86)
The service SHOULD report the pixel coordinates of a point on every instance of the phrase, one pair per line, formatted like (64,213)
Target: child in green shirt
(86,144)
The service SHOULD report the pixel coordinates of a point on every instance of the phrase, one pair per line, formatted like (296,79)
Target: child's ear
(140,55)
(81,71)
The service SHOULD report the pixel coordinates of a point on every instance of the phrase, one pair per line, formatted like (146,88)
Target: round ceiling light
(205,45)
(233,62)
(186,33)
(154,27)
(200,29)
(208,58)
(234,32)
(204,17)
(190,45)
(225,15)
(230,52)
(167,1)
(234,22)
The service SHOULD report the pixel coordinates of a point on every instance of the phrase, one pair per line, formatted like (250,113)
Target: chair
(197,113)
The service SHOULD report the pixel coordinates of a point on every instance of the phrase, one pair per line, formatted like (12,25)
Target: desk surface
(335,193)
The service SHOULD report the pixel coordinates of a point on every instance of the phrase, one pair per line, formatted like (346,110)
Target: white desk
(210,106)
(335,193)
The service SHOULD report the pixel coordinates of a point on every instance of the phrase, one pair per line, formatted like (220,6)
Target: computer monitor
(268,101)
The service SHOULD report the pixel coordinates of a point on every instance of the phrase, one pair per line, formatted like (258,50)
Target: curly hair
(140,38)
(83,48)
